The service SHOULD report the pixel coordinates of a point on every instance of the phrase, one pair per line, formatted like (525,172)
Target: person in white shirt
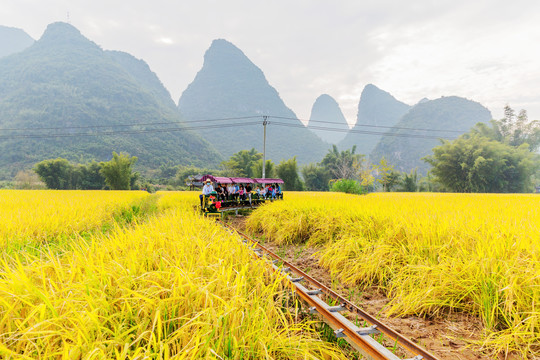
(232,192)
(206,190)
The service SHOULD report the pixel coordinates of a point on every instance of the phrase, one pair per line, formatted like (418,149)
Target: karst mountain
(13,40)
(64,96)
(327,120)
(378,111)
(423,127)
(230,86)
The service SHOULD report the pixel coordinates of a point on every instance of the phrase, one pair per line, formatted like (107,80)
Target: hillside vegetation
(449,116)
(65,84)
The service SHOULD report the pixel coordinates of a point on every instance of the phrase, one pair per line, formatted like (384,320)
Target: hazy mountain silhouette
(376,108)
(13,40)
(447,114)
(326,113)
(68,83)
(229,85)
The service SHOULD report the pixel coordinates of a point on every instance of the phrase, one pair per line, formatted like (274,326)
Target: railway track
(360,338)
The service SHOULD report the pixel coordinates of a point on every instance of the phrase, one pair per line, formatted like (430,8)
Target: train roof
(239,180)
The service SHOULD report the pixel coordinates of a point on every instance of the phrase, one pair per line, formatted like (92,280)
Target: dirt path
(446,338)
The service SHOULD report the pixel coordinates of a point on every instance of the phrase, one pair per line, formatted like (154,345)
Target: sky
(484,50)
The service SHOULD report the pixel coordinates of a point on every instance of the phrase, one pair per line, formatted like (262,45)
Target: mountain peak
(61,33)
(371,91)
(374,98)
(60,30)
(224,54)
(222,43)
(231,85)
(325,97)
(371,87)
(326,109)
(222,47)
(376,108)
(13,40)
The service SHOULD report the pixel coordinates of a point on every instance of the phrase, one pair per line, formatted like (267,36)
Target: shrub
(348,186)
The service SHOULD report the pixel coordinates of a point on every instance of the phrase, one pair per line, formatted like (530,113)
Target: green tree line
(496,157)
(116,174)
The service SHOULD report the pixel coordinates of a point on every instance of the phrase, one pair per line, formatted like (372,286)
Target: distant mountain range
(64,84)
(447,117)
(229,85)
(389,128)
(326,113)
(13,40)
(63,96)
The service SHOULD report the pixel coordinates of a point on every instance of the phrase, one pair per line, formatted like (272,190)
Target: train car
(235,193)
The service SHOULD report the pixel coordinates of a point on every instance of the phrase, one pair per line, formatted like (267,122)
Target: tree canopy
(512,130)
(118,172)
(342,164)
(57,174)
(287,170)
(60,174)
(475,163)
(316,177)
(242,163)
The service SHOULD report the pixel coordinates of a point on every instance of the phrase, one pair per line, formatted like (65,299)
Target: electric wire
(366,132)
(128,125)
(374,126)
(214,126)
(227,119)
(125,132)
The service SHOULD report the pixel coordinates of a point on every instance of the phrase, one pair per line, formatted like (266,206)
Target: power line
(202,127)
(374,126)
(128,125)
(126,132)
(420,136)
(227,119)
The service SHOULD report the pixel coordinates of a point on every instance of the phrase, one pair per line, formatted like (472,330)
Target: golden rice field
(431,253)
(28,217)
(174,286)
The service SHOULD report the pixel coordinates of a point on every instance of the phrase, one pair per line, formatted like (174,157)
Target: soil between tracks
(447,338)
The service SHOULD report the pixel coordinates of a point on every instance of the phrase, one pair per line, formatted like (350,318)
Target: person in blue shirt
(206,190)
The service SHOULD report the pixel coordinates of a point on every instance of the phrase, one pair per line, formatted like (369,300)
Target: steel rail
(385,329)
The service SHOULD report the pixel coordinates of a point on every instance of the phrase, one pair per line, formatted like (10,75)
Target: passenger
(274,192)
(269,192)
(248,192)
(236,191)
(206,190)
(231,191)
(258,191)
(222,192)
(241,192)
(225,192)
(278,191)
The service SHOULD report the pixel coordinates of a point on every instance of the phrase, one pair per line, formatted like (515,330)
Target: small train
(235,193)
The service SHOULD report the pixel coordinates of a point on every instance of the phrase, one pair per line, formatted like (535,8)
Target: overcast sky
(487,51)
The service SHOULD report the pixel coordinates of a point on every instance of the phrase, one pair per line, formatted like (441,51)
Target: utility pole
(265,121)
